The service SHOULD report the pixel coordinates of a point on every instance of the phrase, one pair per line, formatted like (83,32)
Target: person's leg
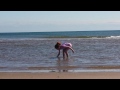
(63,53)
(66,52)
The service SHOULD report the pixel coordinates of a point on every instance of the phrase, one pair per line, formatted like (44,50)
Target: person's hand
(73,51)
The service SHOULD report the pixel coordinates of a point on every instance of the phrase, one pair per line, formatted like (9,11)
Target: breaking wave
(114,37)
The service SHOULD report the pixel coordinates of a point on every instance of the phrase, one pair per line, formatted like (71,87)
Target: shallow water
(39,55)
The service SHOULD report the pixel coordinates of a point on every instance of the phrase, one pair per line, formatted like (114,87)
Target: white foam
(72,71)
(113,37)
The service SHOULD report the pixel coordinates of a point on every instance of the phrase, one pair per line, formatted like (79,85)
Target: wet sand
(63,75)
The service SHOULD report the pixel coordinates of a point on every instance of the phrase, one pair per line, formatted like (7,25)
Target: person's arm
(58,53)
(69,48)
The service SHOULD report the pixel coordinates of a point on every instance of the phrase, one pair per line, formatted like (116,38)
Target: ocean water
(95,51)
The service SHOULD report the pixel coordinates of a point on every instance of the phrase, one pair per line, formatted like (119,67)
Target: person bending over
(65,47)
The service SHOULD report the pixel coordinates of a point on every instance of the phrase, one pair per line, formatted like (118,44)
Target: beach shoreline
(57,75)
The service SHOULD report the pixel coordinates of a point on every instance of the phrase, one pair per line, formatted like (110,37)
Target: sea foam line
(47,71)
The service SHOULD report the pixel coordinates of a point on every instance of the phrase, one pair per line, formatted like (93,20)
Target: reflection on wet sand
(62,63)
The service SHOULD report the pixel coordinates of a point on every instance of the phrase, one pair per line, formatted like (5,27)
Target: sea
(95,51)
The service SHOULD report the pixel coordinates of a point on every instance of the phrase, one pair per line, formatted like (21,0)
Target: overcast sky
(39,21)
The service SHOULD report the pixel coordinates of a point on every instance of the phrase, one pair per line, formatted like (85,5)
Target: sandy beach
(63,75)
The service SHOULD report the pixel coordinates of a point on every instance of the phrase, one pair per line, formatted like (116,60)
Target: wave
(113,37)
(65,37)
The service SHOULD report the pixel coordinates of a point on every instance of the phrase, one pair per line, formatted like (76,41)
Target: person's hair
(57,45)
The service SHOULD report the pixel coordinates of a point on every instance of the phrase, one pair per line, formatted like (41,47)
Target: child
(65,47)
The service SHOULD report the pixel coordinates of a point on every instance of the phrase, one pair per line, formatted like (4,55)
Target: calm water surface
(39,55)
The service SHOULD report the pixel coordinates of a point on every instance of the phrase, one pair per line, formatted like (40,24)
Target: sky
(47,21)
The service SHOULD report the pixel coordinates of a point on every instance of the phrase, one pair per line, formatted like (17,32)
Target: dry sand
(63,75)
